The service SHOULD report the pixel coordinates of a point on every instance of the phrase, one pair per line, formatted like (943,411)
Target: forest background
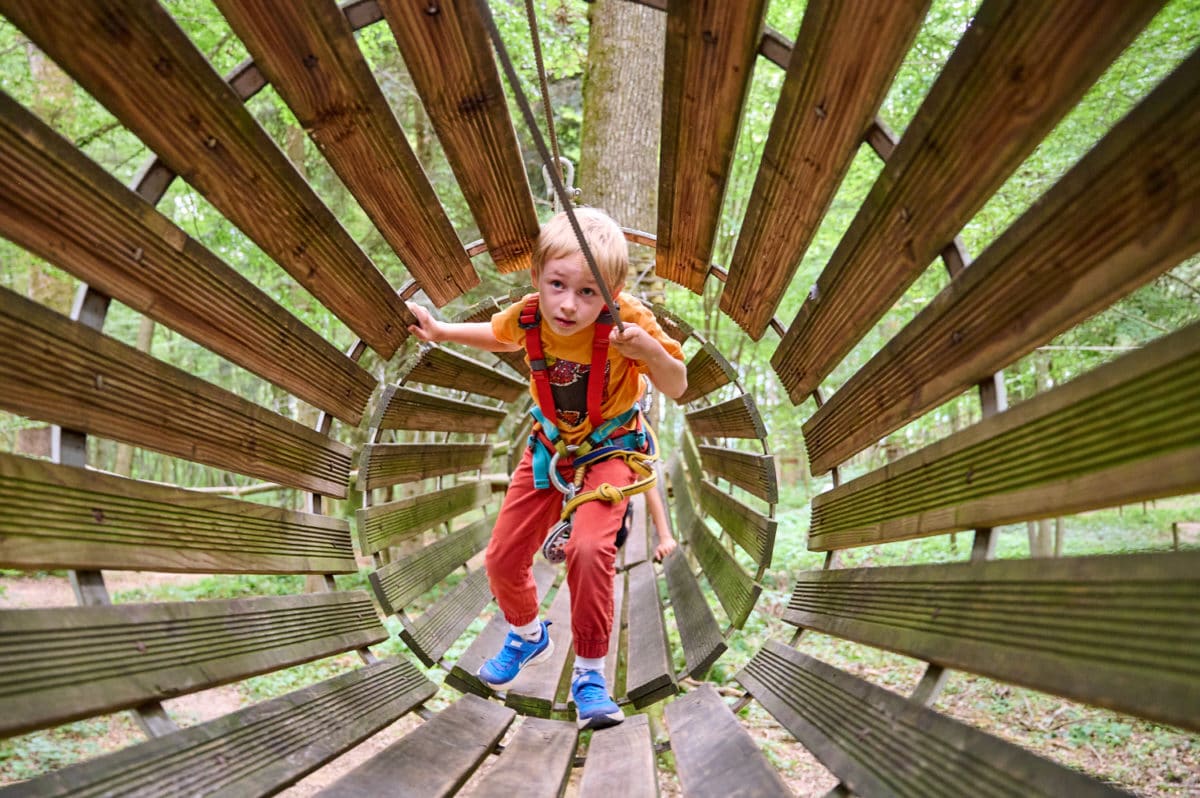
(595,53)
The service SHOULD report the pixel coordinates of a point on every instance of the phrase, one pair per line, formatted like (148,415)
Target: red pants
(525,518)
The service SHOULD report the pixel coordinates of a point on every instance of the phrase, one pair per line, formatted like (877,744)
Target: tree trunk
(1043,540)
(622,99)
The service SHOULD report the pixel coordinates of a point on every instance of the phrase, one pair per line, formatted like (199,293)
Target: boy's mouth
(564,323)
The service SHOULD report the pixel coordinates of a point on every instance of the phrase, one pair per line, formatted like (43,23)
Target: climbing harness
(626,436)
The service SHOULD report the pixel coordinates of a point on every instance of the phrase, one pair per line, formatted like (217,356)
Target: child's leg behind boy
(525,516)
(591,555)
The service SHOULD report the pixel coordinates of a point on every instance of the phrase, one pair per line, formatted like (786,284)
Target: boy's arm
(668,374)
(476,334)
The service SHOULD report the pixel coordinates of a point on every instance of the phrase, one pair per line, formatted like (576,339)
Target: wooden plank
(404,408)
(703,643)
(750,529)
(458,739)
(63,664)
(831,93)
(714,754)
(309,55)
(483,311)
(736,590)
(134,58)
(448,369)
(258,750)
(63,207)
(384,464)
(735,418)
(536,763)
(879,743)
(403,580)
(672,324)
(1099,233)
(66,373)
(1125,432)
(1070,610)
(707,371)
(450,61)
(710,53)
(963,143)
(754,472)
(61,517)
(620,761)
(431,635)
(649,675)
(387,524)
(535,689)
(637,546)
(462,676)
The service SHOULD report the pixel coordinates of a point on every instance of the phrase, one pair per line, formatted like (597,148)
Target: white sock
(588,664)
(531,631)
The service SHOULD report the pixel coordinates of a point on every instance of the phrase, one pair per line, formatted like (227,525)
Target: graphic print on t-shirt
(568,384)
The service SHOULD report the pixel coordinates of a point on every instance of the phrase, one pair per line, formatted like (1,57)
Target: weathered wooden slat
(1128,431)
(67,663)
(431,635)
(448,369)
(66,373)
(404,408)
(672,324)
(536,763)
(963,143)
(135,59)
(735,418)
(714,754)
(61,517)
(399,582)
(462,676)
(707,371)
(754,472)
(620,761)
(649,675)
(536,688)
(879,743)
(450,60)
(385,525)
(63,207)
(483,311)
(736,590)
(309,55)
(1121,216)
(457,739)
(710,52)
(384,464)
(703,643)
(1070,610)
(254,751)
(832,90)
(752,530)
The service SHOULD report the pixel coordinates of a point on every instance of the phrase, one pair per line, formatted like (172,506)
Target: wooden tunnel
(444,423)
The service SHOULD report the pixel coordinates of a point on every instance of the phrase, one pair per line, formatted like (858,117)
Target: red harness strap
(530,320)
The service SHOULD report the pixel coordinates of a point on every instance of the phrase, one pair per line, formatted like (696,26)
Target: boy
(564,321)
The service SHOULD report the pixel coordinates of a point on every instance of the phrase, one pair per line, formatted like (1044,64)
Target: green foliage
(222,586)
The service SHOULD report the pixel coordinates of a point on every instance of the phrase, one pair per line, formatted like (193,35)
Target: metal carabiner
(565,488)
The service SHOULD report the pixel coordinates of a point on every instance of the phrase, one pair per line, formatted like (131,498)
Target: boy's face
(570,299)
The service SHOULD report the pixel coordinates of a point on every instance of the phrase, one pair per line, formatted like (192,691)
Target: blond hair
(604,239)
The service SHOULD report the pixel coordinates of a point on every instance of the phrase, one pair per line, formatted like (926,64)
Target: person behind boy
(569,304)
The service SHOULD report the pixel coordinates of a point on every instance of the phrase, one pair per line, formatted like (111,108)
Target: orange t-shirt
(569,358)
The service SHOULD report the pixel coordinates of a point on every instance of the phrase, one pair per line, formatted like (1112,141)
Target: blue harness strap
(600,443)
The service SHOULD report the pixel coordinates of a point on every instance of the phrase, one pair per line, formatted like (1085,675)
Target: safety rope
(485,15)
(531,14)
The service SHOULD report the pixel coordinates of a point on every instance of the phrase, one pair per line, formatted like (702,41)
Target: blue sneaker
(501,670)
(593,704)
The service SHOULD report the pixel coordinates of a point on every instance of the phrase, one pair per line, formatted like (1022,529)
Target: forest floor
(1135,755)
